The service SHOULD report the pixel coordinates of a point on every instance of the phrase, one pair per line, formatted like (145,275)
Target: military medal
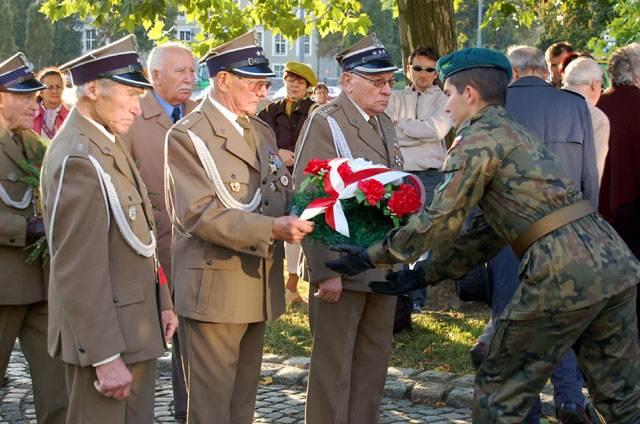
(235,186)
(284,180)
(133,213)
(275,162)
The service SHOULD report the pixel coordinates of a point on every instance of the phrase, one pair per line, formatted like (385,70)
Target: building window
(279,45)
(185,35)
(306,44)
(259,38)
(278,69)
(182,14)
(89,39)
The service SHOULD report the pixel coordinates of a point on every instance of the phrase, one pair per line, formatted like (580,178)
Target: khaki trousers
(28,323)
(88,406)
(223,370)
(351,347)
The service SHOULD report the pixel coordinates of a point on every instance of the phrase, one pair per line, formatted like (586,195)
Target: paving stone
(438,376)
(289,375)
(396,389)
(460,397)
(430,393)
(401,372)
(271,358)
(298,362)
(466,380)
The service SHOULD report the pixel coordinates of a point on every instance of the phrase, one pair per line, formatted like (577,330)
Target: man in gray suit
(562,121)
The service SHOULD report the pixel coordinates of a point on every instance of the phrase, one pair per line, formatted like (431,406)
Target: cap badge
(235,186)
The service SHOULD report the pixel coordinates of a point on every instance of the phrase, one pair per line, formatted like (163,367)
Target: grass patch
(439,340)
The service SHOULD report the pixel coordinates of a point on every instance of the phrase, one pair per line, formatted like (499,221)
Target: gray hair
(525,58)
(582,71)
(158,55)
(105,83)
(624,65)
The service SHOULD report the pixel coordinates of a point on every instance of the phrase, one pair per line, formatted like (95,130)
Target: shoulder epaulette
(79,146)
(327,110)
(189,121)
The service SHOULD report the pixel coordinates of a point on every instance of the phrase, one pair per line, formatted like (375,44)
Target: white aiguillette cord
(212,172)
(22,204)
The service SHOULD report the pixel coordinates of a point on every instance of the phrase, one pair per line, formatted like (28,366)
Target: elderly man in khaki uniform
(227,192)
(23,288)
(171,67)
(351,327)
(110,310)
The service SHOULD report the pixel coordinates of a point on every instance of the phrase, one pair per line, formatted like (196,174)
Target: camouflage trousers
(523,354)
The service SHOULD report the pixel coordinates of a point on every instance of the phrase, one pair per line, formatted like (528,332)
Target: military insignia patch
(235,187)
(133,213)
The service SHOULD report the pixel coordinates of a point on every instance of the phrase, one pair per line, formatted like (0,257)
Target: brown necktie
(243,121)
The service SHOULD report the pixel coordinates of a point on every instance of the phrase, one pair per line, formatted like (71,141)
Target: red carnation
(372,189)
(315,166)
(404,201)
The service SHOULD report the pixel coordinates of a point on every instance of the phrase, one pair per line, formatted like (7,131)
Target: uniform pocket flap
(129,197)
(128,294)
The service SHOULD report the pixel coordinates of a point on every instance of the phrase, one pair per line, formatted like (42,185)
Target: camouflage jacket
(499,167)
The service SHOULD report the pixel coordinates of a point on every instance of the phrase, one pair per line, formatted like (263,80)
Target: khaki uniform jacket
(146,139)
(227,270)
(20,283)
(103,296)
(316,142)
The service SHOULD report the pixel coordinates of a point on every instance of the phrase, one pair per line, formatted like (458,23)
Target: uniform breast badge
(133,213)
(275,162)
(284,180)
(235,187)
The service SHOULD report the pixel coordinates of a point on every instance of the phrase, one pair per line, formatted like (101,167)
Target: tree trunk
(427,23)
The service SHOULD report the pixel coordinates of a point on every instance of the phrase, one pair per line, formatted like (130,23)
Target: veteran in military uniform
(110,313)
(171,67)
(577,276)
(227,191)
(23,286)
(352,328)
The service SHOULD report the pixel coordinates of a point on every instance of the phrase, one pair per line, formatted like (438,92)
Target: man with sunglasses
(351,327)
(421,126)
(227,191)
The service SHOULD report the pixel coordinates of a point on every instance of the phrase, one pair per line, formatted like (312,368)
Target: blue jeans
(566,378)
(430,179)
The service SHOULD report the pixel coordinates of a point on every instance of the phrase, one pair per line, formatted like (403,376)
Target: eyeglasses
(417,68)
(255,85)
(378,83)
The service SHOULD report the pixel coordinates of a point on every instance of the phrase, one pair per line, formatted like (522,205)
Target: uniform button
(81,350)
(115,299)
(253,248)
(264,181)
(130,199)
(12,240)
(266,203)
(209,261)
(233,176)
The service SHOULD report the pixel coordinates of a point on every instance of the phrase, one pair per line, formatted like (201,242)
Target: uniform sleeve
(195,208)
(316,143)
(13,230)
(82,276)
(466,173)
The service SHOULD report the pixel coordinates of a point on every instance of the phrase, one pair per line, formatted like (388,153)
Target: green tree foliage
(7,42)
(221,20)
(67,40)
(38,43)
(19,15)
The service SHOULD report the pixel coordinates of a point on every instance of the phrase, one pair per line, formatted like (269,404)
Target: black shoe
(572,413)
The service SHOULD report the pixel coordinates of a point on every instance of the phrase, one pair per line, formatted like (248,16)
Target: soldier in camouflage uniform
(577,276)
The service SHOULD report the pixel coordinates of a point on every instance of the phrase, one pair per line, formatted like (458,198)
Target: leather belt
(547,224)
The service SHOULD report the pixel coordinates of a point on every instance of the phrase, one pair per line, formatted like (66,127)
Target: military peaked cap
(367,56)
(241,56)
(469,58)
(16,76)
(118,61)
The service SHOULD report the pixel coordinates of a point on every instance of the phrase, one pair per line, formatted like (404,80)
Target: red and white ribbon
(341,186)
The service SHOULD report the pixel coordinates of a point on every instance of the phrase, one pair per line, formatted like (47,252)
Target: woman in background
(51,111)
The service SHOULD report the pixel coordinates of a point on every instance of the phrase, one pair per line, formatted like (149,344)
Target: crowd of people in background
(174,212)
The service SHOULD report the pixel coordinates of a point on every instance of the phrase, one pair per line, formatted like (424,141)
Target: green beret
(302,70)
(475,57)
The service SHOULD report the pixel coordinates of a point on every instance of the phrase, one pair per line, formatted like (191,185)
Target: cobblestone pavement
(276,403)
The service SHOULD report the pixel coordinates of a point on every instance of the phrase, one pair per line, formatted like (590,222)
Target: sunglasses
(417,68)
(378,83)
